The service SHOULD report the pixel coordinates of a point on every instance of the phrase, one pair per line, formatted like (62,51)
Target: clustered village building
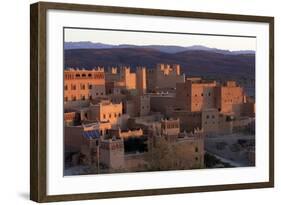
(103,110)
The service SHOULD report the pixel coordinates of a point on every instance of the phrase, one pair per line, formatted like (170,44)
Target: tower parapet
(168,69)
(113,70)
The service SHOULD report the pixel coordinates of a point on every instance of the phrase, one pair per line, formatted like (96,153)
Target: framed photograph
(135,102)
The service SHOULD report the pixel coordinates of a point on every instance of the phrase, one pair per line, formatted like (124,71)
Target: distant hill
(86,45)
(162,48)
(206,63)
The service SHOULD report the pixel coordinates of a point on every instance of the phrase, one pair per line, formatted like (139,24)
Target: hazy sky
(146,38)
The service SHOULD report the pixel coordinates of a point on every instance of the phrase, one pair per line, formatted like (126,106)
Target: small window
(207,116)
(196,149)
(104,116)
(202,94)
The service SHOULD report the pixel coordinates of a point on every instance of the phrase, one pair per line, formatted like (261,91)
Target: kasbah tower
(141,80)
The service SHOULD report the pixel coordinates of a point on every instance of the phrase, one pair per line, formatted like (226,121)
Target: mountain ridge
(192,62)
(162,48)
